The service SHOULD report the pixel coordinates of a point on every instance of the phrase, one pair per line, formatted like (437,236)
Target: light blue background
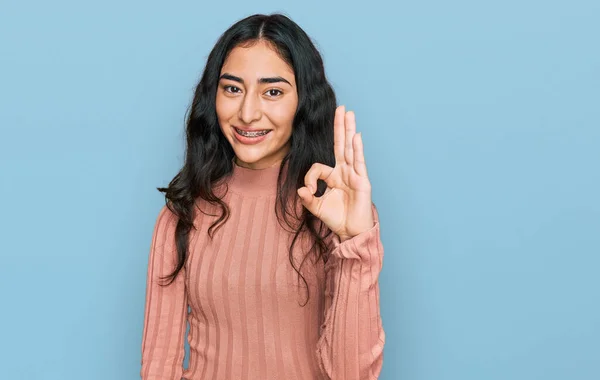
(481,124)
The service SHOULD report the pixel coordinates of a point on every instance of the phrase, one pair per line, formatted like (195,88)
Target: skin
(256,105)
(345,207)
(243,101)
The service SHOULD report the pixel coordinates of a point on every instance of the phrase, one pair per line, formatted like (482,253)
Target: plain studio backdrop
(481,125)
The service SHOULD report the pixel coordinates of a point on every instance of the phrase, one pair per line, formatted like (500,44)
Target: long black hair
(209,156)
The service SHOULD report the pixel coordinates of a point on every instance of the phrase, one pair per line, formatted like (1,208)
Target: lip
(249,129)
(250,140)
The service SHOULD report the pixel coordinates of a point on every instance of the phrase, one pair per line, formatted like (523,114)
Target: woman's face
(257,92)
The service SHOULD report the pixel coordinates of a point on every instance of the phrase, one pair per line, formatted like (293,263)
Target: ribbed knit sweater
(246,320)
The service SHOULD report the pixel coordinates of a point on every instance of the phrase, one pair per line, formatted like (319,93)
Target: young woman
(269,236)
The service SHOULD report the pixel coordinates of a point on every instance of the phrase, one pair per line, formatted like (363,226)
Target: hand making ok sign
(345,207)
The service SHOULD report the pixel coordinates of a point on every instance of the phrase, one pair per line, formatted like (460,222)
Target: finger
(350,122)
(339,134)
(317,171)
(312,203)
(360,167)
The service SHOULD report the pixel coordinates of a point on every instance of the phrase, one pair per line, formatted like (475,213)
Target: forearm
(352,337)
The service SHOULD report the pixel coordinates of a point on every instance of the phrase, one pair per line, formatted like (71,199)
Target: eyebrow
(260,80)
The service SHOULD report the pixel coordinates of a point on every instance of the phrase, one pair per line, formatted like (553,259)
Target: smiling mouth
(253,133)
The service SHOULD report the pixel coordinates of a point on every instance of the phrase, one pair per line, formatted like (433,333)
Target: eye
(231,89)
(277,92)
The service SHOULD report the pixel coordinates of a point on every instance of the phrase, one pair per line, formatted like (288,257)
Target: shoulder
(165,223)
(165,215)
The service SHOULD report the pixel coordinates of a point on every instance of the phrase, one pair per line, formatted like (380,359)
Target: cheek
(224,108)
(283,114)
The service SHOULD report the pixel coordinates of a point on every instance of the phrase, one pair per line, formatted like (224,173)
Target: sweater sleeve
(166,307)
(351,341)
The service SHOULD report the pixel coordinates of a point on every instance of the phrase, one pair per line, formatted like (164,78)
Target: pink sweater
(245,319)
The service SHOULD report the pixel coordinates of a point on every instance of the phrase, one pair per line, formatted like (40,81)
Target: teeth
(252,134)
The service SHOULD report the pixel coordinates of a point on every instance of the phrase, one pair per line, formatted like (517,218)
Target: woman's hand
(345,207)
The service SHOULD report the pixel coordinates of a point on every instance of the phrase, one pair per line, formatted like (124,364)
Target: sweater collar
(255,182)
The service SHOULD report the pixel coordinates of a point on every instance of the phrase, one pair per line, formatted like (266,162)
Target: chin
(244,156)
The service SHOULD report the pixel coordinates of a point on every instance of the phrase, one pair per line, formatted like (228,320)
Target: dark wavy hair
(209,155)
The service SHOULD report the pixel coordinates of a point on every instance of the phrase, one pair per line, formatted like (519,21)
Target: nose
(250,109)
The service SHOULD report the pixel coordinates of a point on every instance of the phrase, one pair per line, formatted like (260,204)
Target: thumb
(308,199)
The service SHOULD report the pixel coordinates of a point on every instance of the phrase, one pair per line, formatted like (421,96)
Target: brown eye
(231,89)
(277,92)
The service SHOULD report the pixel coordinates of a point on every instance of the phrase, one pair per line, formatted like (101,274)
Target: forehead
(258,60)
